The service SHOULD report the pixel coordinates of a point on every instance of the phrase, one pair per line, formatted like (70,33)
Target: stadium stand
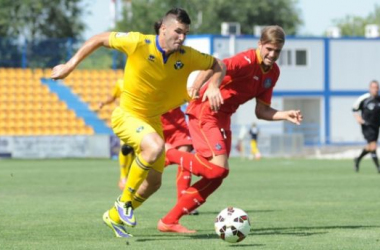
(93,86)
(29,107)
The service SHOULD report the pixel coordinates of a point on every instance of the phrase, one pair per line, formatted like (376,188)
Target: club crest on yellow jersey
(178,65)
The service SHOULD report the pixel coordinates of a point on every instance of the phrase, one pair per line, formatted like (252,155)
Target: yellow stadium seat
(28,107)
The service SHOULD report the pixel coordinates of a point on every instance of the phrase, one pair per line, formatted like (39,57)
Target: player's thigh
(178,138)
(132,130)
(208,138)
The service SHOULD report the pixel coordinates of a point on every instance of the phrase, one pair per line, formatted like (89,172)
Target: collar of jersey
(260,60)
(161,50)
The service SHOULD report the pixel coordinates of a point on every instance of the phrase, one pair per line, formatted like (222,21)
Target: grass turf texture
(292,204)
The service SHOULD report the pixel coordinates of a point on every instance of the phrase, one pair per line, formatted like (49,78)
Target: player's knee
(153,150)
(224,173)
(218,173)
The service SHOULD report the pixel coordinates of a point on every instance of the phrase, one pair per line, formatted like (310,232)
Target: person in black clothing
(369,119)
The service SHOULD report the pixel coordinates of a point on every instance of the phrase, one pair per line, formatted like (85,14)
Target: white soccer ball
(232,224)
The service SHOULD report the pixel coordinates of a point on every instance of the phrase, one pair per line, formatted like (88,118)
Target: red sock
(196,164)
(183,181)
(194,196)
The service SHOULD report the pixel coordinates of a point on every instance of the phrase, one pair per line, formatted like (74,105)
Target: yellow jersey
(155,83)
(116,91)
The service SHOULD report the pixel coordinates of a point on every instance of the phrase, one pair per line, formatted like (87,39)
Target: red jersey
(244,80)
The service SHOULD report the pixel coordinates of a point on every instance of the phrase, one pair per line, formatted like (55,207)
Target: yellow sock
(125,164)
(123,173)
(128,162)
(114,215)
(254,148)
(137,174)
(137,200)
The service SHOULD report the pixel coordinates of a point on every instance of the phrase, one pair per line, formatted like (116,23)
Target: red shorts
(175,128)
(210,131)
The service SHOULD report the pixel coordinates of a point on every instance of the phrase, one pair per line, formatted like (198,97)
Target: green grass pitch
(292,204)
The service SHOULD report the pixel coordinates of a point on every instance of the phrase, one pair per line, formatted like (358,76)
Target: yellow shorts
(131,130)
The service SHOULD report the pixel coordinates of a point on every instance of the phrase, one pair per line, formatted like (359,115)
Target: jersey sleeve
(238,66)
(124,42)
(116,91)
(201,61)
(358,104)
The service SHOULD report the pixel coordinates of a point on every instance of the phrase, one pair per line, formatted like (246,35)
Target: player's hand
(193,92)
(61,71)
(214,97)
(100,105)
(295,116)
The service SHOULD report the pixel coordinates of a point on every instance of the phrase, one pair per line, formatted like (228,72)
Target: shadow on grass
(302,231)
(174,236)
(296,231)
(246,245)
(177,237)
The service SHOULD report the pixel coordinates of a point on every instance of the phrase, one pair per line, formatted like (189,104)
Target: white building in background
(334,32)
(372,31)
(321,76)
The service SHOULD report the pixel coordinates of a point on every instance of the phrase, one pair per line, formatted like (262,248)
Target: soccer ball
(232,225)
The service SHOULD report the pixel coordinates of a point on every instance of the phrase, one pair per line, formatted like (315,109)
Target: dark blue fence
(50,52)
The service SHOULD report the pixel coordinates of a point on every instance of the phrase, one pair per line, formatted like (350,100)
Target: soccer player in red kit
(250,74)
(176,133)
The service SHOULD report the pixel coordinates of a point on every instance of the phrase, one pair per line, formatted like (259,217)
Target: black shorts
(371,133)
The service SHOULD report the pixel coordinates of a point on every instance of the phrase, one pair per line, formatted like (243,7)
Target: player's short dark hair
(178,13)
(272,34)
(157,26)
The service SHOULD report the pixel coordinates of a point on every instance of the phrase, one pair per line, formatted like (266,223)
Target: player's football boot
(117,228)
(125,211)
(173,228)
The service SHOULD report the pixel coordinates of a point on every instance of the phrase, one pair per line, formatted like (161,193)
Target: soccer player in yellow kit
(155,82)
(126,154)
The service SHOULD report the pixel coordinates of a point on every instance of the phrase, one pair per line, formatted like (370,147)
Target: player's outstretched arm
(110,99)
(63,70)
(268,113)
